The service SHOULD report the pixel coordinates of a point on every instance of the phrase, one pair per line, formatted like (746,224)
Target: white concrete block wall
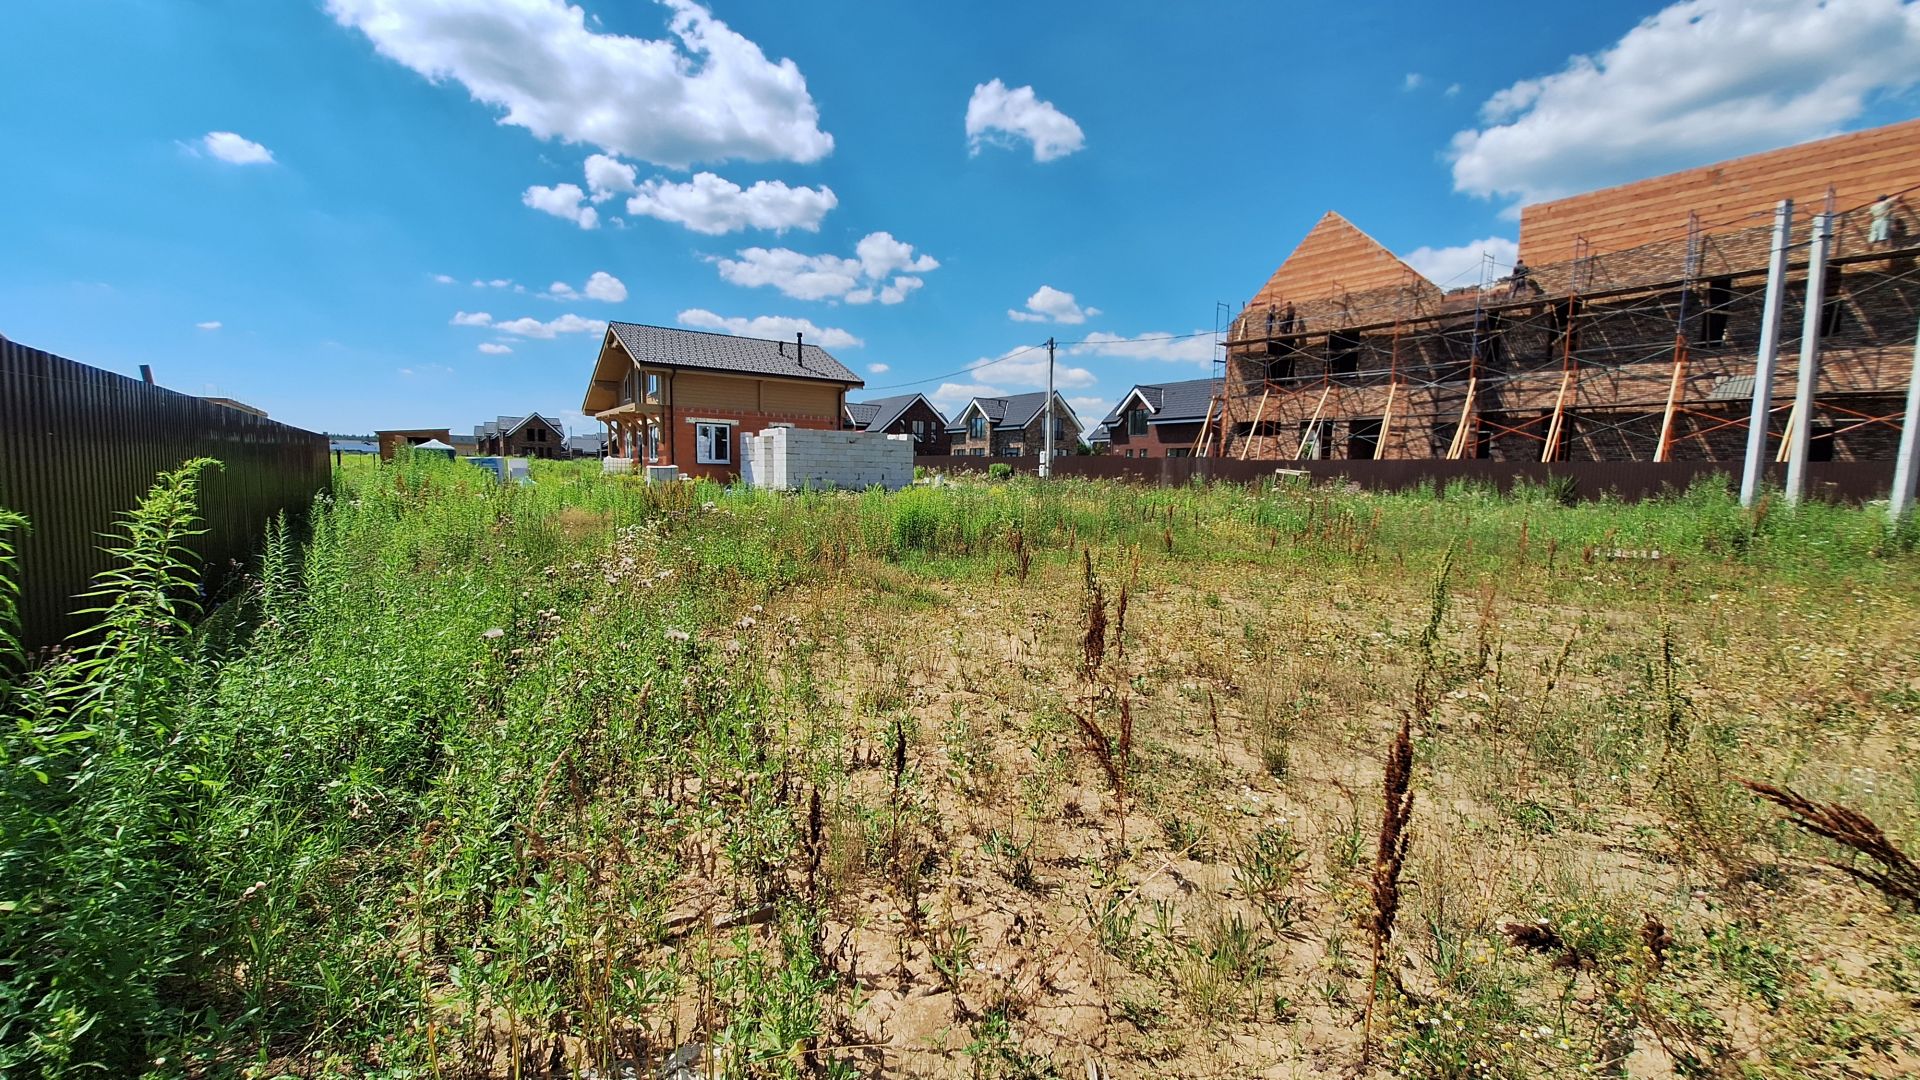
(788,459)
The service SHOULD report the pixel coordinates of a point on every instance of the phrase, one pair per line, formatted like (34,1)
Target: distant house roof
(1186,402)
(1014,411)
(880,413)
(1099,435)
(587,442)
(725,352)
(354,446)
(507,425)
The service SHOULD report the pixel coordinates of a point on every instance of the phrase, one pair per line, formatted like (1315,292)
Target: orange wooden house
(684,397)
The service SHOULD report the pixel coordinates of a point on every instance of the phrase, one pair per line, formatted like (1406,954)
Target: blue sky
(305,204)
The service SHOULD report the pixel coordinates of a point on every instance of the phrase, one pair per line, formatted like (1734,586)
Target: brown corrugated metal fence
(1838,481)
(79,446)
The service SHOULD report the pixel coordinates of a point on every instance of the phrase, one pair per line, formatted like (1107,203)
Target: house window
(1343,352)
(1832,316)
(1713,321)
(1180,451)
(653,388)
(1314,440)
(713,444)
(977,427)
(1137,422)
(1363,438)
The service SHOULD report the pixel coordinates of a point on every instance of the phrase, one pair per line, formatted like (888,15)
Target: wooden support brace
(1313,425)
(1386,422)
(1460,435)
(1664,450)
(1258,411)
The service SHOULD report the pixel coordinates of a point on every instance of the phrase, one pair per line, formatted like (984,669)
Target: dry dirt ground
(993,907)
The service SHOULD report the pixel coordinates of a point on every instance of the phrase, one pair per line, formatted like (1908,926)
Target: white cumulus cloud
(873,274)
(773,327)
(1453,267)
(600,286)
(1027,367)
(495,348)
(997,115)
(235,150)
(705,93)
(1049,304)
(212,324)
(526,326)
(1195,348)
(443,279)
(472,318)
(563,201)
(712,205)
(952,397)
(878,369)
(1700,81)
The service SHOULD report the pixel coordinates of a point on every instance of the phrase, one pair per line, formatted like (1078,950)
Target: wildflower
(493,634)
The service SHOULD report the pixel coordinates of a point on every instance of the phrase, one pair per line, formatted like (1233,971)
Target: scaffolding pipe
(1906,464)
(1769,355)
(1809,359)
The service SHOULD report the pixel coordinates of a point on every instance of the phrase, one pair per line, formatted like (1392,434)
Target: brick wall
(1731,194)
(685,436)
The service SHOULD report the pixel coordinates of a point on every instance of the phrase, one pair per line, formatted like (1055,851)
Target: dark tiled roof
(1173,403)
(590,442)
(1099,434)
(1020,409)
(879,414)
(725,352)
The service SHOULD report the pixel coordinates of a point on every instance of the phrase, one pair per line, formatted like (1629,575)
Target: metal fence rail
(79,446)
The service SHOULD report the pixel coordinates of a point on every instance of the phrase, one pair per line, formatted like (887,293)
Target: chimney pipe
(146,374)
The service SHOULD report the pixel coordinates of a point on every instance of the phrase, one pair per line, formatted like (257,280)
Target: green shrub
(999,470)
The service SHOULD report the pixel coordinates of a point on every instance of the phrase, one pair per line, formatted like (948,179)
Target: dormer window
(1137,422)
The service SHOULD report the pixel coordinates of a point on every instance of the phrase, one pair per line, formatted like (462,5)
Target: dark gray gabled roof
(880,413)
(670,347)
(1014,411)
(1173,403)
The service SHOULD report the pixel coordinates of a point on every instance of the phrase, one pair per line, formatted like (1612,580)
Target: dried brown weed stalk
(1897,875)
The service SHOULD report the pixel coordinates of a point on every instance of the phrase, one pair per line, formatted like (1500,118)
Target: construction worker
(1880,220)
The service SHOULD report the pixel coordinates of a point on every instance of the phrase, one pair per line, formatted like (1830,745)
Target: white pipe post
(1809,359)
(1769,356)
(1906,465)
(1046,457)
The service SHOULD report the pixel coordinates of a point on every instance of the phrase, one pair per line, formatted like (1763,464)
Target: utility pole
(1906,466)
(1046,457)
(1802,421)
(1764,364)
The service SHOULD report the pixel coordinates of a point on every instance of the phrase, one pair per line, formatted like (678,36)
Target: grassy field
(588,778)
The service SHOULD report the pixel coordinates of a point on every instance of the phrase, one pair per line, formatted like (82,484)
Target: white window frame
(703,436)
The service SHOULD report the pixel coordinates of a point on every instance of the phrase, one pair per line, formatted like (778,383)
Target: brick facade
(1398,368)
(1159,441)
